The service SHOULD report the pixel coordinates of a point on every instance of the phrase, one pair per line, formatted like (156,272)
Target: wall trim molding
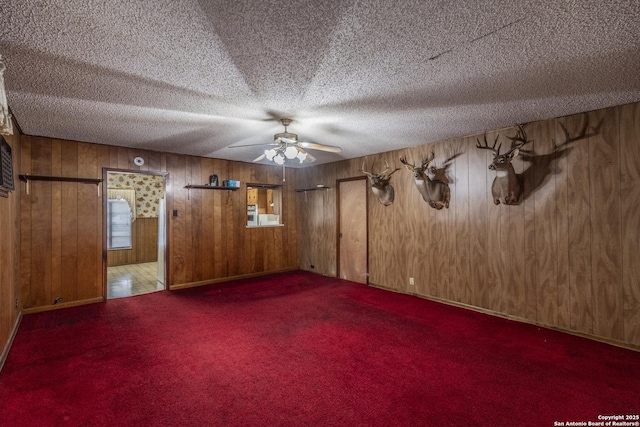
(228,279)
(63,305)
(7,347)
(514,318)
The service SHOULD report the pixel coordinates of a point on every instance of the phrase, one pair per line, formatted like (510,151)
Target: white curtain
(127,194)
(6,128)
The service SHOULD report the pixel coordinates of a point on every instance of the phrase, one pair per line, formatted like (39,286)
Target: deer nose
(492,167)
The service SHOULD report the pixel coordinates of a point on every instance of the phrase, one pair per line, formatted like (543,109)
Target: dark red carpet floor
(304,350)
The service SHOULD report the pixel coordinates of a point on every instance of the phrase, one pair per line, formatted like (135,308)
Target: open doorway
(135,232)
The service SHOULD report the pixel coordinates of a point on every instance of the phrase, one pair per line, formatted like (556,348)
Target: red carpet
(300,349)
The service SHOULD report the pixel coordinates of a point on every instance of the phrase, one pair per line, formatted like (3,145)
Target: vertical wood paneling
(25,224)
(194,257)
(545,223)
(562,224)
(563,257)
(606,260)
(579,232)
(479,198)
(529,310)
(56,219)
(460,195)
(515,291)
(235,209)
(10,249)
(176,166)
(41,226)
(629,208)
(497,215)
(89,222)
(69,215)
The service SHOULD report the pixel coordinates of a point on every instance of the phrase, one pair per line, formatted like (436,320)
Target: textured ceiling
(196,77)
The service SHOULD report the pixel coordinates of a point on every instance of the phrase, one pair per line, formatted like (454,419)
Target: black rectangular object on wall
(6,168)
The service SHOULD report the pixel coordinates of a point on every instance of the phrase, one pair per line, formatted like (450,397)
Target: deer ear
(515,153)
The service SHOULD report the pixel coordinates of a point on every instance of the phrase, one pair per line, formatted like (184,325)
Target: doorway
(135,232)
(352,230)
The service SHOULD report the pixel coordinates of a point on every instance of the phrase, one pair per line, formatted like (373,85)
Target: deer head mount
(380,185)
(436,191)
(507,185)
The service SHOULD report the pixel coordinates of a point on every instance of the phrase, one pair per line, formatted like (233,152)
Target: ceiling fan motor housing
(287,135)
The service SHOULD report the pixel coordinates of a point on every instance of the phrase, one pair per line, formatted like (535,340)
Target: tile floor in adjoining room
(132,279)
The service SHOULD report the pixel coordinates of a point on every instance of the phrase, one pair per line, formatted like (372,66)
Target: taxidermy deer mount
(436,191)
(507,185)
(542,166)
(380,185)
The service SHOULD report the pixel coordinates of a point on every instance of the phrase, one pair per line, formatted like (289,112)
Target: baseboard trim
(515,319)
(7,347)
(62,305)
(229,279)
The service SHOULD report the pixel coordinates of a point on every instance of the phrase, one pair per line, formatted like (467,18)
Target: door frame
(105,172)
(366,209)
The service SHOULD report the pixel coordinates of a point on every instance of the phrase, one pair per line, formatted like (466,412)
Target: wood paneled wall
(62,231)
(565,257)
(144,244)
(10,255)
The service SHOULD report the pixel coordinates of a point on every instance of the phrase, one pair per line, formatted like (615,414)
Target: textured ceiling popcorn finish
(196,77)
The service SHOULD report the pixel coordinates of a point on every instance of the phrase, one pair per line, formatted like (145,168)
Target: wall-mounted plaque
(6,168)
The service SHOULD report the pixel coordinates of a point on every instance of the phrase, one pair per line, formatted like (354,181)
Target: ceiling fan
(286,146)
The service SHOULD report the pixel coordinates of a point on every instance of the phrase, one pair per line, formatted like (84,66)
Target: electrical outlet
(17,305)
(411,281)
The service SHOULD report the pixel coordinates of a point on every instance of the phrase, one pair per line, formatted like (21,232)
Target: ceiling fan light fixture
(270,154)
(286,146)
(291,152)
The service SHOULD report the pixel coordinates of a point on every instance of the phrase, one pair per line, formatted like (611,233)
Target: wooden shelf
(27,178)
(304,190)
(211,187)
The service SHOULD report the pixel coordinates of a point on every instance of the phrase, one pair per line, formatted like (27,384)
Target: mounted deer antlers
(435,191)
(380,186)
(507,186)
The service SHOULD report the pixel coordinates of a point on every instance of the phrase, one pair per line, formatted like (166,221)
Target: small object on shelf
(231,183)
(210,187)
(213,180)
(320,185)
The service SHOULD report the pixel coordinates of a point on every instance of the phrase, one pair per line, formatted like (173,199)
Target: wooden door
(352,234)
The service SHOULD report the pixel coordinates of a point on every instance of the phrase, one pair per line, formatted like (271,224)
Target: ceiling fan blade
(251,145)
(310,158)
(321,147)
(260,157)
